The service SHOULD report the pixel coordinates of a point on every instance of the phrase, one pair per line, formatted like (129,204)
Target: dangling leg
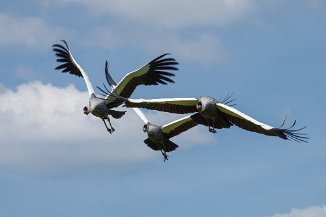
(108,129)
(112,129)
(165,156)
(211,127)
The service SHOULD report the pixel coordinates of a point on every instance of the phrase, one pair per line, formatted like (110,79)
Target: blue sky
(55,161)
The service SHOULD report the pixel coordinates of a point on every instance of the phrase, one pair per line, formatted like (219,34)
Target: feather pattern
(153,73)
(69,65)
(64,57)
(179,126)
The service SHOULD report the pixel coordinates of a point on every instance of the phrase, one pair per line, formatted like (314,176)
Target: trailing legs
(110,130)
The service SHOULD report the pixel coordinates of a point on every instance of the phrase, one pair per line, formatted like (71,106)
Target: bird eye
(85,109)
(145,128)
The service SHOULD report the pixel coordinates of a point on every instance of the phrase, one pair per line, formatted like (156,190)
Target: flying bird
(217,115)
(159,136)
(153,73)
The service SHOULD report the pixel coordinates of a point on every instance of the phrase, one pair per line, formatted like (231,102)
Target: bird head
(205,102)
(145,128)
(87,110)
(199,106)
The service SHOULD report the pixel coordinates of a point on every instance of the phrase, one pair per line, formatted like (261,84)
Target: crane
(153,73)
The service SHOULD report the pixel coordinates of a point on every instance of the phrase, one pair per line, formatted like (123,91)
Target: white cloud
(161,26)
(43,130)
(172,14)
(3,89)
(28,31)
(314,211)
(202,48)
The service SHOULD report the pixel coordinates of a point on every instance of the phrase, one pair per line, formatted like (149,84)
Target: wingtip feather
(292,134)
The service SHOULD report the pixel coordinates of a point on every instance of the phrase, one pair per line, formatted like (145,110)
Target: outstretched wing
(172,105)
(248,123)
(153,73)
(181,125)
(69,65)
(108,77)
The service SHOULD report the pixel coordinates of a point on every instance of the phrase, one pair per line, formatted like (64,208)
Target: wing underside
(181,125)
(171,105)
(248,123)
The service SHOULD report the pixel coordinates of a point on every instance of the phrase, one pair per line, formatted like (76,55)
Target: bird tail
(169,146)
(117,114)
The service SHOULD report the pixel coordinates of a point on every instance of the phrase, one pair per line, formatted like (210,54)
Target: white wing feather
(235,113)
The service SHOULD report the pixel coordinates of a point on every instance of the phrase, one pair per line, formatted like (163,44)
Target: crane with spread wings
(153,73)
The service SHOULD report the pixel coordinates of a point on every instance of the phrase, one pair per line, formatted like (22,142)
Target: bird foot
(165,156)
(212,130)
(110,130)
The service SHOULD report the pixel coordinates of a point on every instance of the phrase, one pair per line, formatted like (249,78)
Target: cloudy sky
(55,161)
